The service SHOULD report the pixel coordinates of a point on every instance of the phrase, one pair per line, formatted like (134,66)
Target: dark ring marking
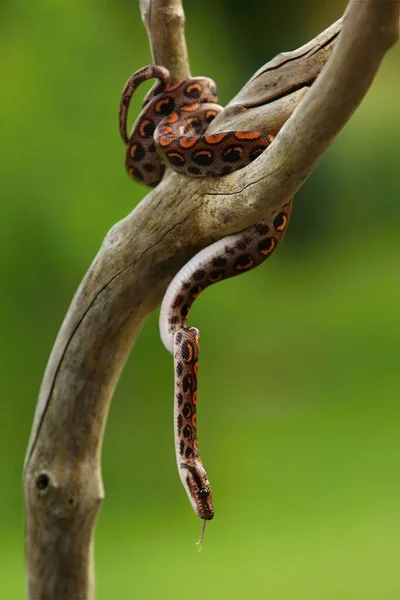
(215,276)
(146,128)
(176,159)
(179,397)
(196,290)
(266,246)
(203,158)
(181,447)
(136,152)
(178,337)
(232,154)
(193,90)
(189,452)
(187,352)
(187,432)
(187,383)
(187,411)
(243,262)
(165,106)
(210,115)
(280,221)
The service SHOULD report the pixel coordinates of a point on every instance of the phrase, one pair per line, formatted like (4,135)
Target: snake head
(195,481)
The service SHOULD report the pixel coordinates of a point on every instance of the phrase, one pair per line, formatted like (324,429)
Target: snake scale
(170,131)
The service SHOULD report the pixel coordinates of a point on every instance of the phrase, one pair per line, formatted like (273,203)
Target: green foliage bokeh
(299,374)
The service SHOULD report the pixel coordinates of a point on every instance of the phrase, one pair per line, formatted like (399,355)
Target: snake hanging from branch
(170,131)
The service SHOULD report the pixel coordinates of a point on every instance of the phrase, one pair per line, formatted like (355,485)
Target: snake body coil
(170,129)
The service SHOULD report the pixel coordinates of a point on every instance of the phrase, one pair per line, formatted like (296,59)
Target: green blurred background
(298,397)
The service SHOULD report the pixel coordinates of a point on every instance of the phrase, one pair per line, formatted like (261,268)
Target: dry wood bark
(141,253)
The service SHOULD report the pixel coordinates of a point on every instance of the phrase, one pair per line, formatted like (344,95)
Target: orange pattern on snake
(170,129)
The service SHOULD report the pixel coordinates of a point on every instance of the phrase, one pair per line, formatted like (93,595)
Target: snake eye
(204,492)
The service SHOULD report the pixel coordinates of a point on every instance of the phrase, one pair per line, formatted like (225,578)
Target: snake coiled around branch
(171,131)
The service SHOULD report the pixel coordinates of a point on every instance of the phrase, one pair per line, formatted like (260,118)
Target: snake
(170,131)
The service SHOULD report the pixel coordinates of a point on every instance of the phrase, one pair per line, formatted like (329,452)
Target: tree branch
(63,486)
(277,82)
(164,21)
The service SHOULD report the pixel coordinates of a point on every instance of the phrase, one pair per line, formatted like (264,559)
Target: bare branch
(284,74)
(164,21)
(369,30)
(269,98)
(63,487)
